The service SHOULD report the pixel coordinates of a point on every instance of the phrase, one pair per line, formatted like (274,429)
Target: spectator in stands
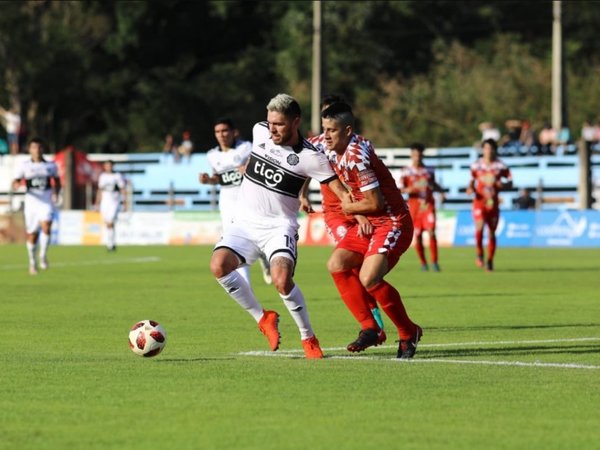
(186,147)
(489,131)
(547,139)
(169,147)
(563,140)
(227,160)
(588,133)
(12,122)
(489,176)
(527,135)
(524,200)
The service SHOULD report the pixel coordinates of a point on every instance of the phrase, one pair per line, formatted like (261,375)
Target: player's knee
(221,263)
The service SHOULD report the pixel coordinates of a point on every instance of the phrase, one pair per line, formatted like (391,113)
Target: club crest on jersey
(293,159)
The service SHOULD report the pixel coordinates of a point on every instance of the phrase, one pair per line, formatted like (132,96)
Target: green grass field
(509,360)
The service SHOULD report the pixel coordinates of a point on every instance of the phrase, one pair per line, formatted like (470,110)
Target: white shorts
(36,212)
(249,242)
(109,211)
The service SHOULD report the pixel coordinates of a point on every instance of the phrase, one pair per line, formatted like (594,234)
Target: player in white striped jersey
(111,193)
(226,160)
(265,219)
(43,185)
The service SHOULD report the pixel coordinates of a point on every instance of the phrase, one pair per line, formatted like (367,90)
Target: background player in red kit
(418,181)
(487,174)
(375,195)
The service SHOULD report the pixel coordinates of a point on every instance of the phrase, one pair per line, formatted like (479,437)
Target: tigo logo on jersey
(272,177)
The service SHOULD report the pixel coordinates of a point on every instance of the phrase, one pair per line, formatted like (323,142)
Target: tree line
(115,76)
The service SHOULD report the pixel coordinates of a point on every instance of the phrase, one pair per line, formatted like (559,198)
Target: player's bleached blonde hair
(286,105)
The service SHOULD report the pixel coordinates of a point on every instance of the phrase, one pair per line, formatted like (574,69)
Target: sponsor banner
(135,228)
(567,229)
(536,229)
(313,230)
(195,228)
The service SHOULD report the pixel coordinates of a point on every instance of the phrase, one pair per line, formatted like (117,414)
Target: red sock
(355,296)
(370,300)
(492,246)
(391,303)
(433,248)
(479,242)
(419,248)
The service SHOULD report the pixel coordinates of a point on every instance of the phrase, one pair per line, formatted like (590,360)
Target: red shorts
(338,227)
(390,240)
(423,217)
(490,217)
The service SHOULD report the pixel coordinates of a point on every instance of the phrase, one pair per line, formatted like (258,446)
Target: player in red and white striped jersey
(418,182)
(374,194)
(487,175)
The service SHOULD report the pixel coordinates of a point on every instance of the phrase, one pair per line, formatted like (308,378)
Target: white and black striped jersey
(38,176)
(226,165)
(111,183)
(274,177)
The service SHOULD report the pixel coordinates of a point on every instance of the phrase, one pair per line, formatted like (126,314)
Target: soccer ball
(147,338)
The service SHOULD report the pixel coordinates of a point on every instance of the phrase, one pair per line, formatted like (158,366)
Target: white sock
(244,271)
(296,305)
(239,290)
(110,237)
(31,253)
(44,243)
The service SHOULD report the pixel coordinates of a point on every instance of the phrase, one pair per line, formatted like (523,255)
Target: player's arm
(303,197)
(124,196)
(471,186)
(372,202)
(205,178)
(508,184)
(435,187)
(16,183)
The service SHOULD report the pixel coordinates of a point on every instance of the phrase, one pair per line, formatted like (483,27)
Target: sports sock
(296,305)
(491,246)
(371,302)
(110,237)
(355,297)
(433,248)
(31,253)
(244,271)
(419,248)
(239,290)
(44,243)
(479,242)
(389,300)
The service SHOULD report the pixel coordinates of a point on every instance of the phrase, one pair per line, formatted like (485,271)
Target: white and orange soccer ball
(147,338)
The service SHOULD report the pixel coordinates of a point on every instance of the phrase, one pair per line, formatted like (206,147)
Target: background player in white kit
(43,185)
(266,219)
(227,161)
(111,193)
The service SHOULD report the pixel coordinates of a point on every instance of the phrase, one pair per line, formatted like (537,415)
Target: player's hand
(204,178)
(470,190)
(365,228)
(305,205)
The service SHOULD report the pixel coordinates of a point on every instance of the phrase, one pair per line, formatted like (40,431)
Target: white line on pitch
(140,260)
(447,344)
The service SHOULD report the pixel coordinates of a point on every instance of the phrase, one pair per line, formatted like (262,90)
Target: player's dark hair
(341,112)
(491,142)
(330,99)
(41,142)
(225,121)
(417,146)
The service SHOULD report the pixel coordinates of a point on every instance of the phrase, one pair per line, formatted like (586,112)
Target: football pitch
(509,360)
